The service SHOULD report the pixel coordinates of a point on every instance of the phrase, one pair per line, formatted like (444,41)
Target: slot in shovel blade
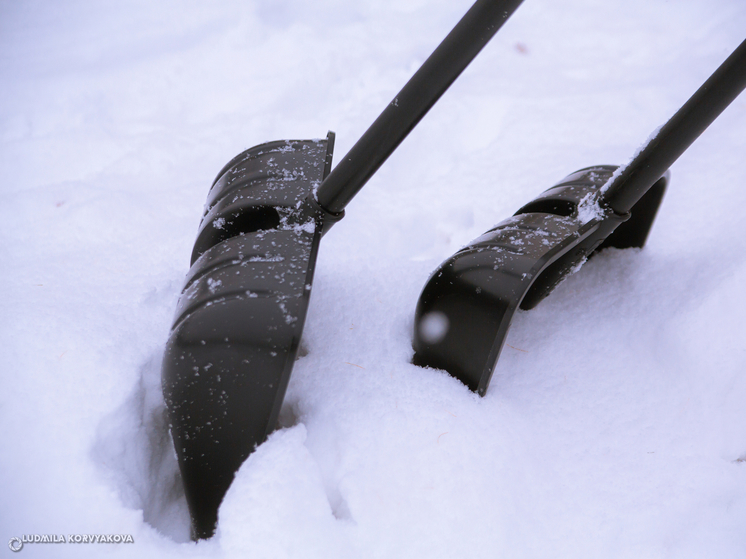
(240,316)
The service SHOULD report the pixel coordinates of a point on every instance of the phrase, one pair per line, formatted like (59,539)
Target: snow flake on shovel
(589,208)
(213,284)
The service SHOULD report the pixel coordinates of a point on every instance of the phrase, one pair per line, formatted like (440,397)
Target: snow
(589,209)
(614,424)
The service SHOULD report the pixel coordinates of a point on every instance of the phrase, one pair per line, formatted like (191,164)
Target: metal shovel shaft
(421,92)
(673,139)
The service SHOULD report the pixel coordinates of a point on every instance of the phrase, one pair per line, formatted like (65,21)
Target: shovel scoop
(465,309)
(240,316)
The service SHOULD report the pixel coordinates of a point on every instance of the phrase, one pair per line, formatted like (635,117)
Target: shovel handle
(673,139)
(420,93)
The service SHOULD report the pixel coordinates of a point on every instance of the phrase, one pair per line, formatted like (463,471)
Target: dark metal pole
(678,133)
(420,93)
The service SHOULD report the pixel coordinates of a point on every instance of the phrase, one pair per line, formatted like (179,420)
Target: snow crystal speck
(434,327)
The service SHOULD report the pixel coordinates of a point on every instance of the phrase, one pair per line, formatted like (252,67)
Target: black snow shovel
(240,316)
(464,311)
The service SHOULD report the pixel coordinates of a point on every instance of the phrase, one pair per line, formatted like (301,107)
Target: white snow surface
(615,424)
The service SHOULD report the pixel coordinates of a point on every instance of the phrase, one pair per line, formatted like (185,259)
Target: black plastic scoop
(240,316)
(466,307)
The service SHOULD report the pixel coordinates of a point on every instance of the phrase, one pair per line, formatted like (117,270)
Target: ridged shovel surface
(466,307)
(240,316)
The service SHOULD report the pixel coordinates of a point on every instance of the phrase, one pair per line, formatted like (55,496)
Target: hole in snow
(134,449)
(288,416)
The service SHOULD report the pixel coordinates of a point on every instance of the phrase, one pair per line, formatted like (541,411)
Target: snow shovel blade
(465,309)
(464,312)
(240,315)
